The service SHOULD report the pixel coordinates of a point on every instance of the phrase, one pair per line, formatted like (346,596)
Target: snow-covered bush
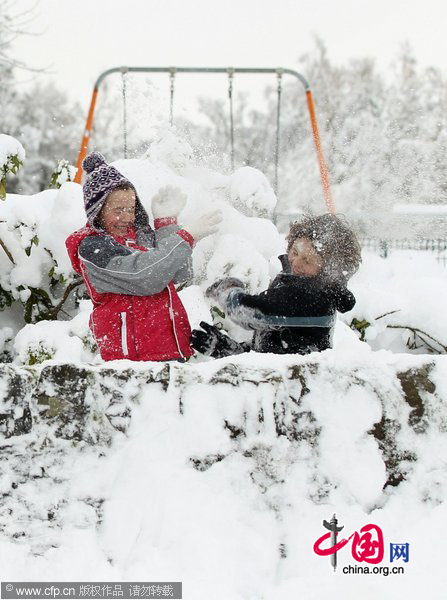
(36,277)
(70,341)
(64,172)
(400,303)
(12,155)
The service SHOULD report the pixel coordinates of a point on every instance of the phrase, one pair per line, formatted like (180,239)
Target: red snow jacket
(137,313)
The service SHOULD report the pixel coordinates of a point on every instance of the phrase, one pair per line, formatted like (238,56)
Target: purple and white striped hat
(101,180)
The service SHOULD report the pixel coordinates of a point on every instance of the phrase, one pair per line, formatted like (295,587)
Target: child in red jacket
(130,270)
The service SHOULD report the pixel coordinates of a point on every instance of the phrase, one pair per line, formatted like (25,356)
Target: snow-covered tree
(41,117)
(383,138)
(50,128)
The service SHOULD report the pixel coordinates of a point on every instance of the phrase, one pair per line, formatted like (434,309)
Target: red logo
(367,546)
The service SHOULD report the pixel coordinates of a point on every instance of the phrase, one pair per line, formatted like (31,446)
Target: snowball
(251,192)
(236,257)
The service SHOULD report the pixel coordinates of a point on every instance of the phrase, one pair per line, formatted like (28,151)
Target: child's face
(304,259)
(118,212)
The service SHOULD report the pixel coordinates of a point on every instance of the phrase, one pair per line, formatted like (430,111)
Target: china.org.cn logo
(368,547)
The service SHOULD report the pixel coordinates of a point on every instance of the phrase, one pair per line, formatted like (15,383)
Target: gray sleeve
(163,232)
(244,316)
(185,273)
(249,317)
(113,268)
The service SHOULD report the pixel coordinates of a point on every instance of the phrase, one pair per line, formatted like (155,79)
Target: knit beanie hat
(101,180)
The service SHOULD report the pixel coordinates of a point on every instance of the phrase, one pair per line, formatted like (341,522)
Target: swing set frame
(230,71)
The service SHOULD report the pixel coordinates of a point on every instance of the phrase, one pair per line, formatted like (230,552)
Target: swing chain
(172,72)
(230,71)
(230,97)
(124,72)
(279,74)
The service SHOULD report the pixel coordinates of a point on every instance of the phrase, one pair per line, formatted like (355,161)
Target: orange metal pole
(323,168)
(86,137)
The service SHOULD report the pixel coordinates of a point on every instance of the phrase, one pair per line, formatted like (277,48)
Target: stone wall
(55,415)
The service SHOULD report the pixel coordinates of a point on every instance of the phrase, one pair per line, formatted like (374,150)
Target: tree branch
(74,284)
(7,252)
(419,332)
(387,313)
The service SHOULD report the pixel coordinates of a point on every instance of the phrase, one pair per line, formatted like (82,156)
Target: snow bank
(400,299)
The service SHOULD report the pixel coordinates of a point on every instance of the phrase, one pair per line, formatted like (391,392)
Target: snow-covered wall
(148,467)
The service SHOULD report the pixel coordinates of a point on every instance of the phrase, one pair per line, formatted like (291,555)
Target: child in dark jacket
(296,314)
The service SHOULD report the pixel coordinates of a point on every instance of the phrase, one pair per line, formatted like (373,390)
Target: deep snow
(219,530)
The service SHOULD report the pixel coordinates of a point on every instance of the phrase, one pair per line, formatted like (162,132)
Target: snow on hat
(101,180)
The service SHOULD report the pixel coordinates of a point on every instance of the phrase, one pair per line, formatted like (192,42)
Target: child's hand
(220,289)
(212,342)
(169,201)
(204,225)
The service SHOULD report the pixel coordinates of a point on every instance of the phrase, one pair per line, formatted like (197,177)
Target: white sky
(81,38)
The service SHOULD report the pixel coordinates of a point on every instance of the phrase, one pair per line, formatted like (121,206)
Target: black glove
(220,289)
(344,299)
(212,342)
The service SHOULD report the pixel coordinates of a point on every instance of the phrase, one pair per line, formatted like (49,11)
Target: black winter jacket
(292,296)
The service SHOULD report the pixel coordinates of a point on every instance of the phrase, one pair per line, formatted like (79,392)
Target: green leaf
(3,189)
(12,166)
(38,307)
(6,299)
(217,311)
(16,161)
(53,182)
(360,326)
(35,241)
(27,315)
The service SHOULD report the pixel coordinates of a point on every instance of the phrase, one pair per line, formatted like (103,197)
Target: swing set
(173,71)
